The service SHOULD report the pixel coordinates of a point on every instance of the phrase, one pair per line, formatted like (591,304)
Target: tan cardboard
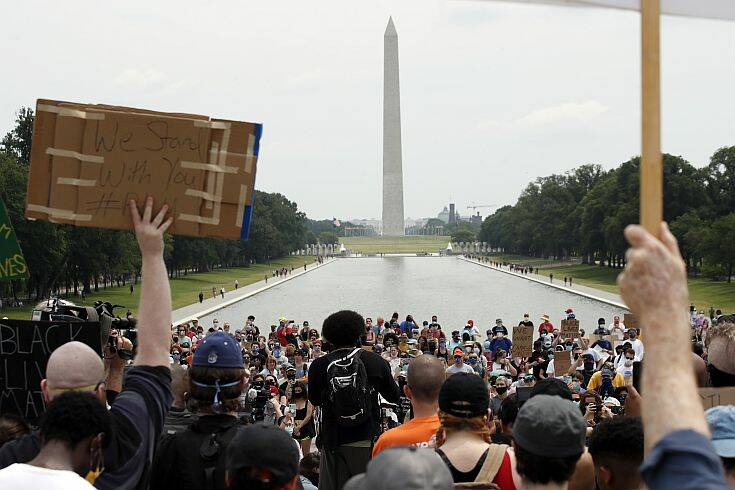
(87,161)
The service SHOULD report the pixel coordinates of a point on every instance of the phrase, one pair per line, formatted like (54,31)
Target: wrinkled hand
(654,282)
(149,232)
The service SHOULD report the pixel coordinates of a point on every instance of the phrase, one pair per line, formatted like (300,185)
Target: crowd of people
(396,403)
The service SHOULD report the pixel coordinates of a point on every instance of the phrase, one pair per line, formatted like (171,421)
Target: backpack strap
(209,451)
(493,462)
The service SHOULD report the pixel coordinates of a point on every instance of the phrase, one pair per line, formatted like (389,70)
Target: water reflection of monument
(392,161)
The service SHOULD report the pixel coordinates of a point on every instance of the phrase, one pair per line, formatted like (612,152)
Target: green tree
(718,245)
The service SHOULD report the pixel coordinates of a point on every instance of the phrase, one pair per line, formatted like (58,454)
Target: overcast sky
(492,94)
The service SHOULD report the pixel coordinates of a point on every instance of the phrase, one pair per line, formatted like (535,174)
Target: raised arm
(654,286)
(154,311)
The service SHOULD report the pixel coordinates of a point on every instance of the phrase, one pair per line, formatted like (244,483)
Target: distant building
(444,215)
(452,213)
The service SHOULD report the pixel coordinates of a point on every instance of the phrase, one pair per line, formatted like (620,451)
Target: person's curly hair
(343,328)
(74,416)
(451,423)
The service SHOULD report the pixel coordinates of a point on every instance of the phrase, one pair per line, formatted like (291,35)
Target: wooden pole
(651,161)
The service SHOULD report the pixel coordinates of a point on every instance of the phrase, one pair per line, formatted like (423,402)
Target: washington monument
(392,162)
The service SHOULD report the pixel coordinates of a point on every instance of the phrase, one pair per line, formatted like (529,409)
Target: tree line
(74,259)
(582,213)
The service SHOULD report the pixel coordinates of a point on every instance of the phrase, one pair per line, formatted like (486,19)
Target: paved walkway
(196,310)
(587,292)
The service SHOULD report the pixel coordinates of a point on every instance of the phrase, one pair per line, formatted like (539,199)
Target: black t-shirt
(379,378)
(138,414)
(525,323)
(179,464)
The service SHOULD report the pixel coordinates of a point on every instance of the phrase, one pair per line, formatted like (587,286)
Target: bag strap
(493,462)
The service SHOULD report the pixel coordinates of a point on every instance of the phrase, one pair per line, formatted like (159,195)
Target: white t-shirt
(21,476)
(637,346)
(625,371)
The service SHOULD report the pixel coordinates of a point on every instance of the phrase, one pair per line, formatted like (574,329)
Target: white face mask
(628,363)
(289,429)
(477,350)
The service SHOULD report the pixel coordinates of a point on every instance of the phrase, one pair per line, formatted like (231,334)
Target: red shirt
(546,326)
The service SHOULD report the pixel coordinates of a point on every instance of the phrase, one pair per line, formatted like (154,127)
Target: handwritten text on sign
(569,329)
(25,347)
(522,341)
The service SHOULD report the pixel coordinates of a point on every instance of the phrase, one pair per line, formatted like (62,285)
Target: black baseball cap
(266,447)
(464,395)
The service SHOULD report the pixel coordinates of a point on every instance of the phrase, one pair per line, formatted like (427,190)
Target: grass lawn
(184,290)
(405,244)
(703,292)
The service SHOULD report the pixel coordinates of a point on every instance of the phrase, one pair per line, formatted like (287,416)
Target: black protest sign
(25,347)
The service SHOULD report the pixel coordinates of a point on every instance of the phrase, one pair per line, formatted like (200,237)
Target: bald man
(138,412)
(423,382)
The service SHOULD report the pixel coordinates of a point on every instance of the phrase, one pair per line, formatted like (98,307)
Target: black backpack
(348,393)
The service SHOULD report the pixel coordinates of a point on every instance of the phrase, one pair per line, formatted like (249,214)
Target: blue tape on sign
(258,134)
(247,217)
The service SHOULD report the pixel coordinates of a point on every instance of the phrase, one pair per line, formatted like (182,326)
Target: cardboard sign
(88,161)
(522,341)
(715,397)
(25,347)
(12,263)
(562,363)
(569,329)
(631,321)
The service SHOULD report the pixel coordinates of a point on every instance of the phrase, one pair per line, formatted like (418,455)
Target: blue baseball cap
(218,350)
(721,421)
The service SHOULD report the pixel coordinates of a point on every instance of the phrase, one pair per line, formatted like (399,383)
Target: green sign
(12,263)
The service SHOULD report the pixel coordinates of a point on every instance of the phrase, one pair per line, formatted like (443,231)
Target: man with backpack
(345,384)
(195,457)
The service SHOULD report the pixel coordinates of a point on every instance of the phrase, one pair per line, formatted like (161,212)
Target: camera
(59,310)
(259,394)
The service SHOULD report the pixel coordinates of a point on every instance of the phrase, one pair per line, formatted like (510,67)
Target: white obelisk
(392,161)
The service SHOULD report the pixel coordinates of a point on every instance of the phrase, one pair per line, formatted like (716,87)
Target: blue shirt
(683,459)
(503,343)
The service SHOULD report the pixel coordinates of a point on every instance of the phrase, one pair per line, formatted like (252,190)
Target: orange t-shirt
(415,432)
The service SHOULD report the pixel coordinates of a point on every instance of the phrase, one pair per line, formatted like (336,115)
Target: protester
(216,379)
(348,416)
(304,430)
(720,344)
(463,440)
(459,366)
(549,438)
(74,432)
(139,410)
(423,382)
(654,286)
(12,427)
(403,468)
(721,422)
(261,457)
(616,446)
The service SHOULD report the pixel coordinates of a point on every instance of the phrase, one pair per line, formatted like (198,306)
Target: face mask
(458,359)
(632,335)
(543,335)
(576,386)
(277,353)
(551,356)
(568,347)
(289,429)
(317,348)
(477,350)
(500,390)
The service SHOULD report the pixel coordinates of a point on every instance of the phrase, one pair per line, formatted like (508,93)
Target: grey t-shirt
(465,368)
